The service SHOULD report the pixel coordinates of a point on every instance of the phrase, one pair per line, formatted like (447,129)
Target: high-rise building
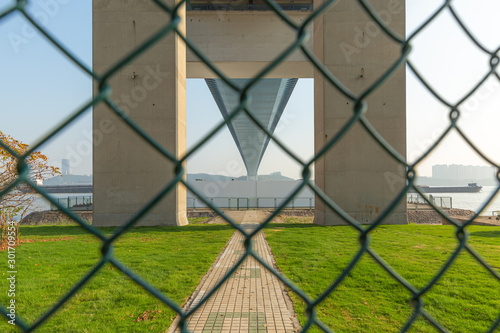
(440,171)
(65,167)
(463,172)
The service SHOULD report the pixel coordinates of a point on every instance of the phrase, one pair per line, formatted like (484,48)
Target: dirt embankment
(48,217)
(460,215)
(433,217)
(202,213)
(297,212)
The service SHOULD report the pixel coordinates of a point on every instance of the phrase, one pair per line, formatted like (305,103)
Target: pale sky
(446,57)
(41,88)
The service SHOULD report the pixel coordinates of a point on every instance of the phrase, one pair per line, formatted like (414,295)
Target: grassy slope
(173,259)
(466,299)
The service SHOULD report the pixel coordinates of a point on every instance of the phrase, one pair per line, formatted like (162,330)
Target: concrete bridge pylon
(356,173)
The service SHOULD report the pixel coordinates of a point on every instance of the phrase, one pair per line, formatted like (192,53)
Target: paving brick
(251,300)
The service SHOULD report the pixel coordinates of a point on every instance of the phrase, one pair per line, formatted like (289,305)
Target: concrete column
(357,173)
(128,173)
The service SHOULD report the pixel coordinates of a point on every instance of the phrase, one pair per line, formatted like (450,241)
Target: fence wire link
(359,109)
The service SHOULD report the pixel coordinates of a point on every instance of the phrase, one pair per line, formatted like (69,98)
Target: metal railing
(102,95)
(442,202)
(76,203)
(224,7)
(239,203)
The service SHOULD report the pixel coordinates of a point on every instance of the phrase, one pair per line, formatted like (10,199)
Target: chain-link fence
(171,27)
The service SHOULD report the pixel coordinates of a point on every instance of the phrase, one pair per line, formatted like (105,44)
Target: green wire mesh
(359,109)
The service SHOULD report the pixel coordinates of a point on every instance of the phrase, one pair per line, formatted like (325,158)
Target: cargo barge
(470,188)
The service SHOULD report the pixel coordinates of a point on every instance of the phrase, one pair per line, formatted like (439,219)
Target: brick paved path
(252,300)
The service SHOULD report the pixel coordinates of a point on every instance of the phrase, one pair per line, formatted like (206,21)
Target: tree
(16,203)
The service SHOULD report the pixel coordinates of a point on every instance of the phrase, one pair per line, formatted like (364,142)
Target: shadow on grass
(69,230)
(489,234)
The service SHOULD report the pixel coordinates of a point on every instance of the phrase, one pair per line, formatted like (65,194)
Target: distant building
(462,172)
(39,181)
(440,171)
(65,167)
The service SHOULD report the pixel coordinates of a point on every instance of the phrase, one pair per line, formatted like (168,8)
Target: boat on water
(470,188)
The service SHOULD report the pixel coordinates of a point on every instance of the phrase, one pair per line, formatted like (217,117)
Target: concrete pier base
(128,172)
(357,173)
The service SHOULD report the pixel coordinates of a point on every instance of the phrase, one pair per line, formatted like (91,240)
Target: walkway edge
(196,291)
(286,296)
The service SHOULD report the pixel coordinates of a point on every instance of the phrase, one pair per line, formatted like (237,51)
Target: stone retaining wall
(433,217)
(297,212)
(48,217)
(205,213)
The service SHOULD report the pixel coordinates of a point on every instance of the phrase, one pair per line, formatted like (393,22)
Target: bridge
(356,173)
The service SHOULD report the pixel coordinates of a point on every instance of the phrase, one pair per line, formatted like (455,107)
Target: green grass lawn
(174,259)
(198,220)
(466,299)
(298,219)
(53,258)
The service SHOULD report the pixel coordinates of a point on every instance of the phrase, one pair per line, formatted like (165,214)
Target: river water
(474,201)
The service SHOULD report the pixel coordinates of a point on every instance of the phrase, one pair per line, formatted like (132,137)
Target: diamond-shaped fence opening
(358,101)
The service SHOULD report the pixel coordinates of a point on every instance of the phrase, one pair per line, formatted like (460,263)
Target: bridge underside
(356,172)
(268,99)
